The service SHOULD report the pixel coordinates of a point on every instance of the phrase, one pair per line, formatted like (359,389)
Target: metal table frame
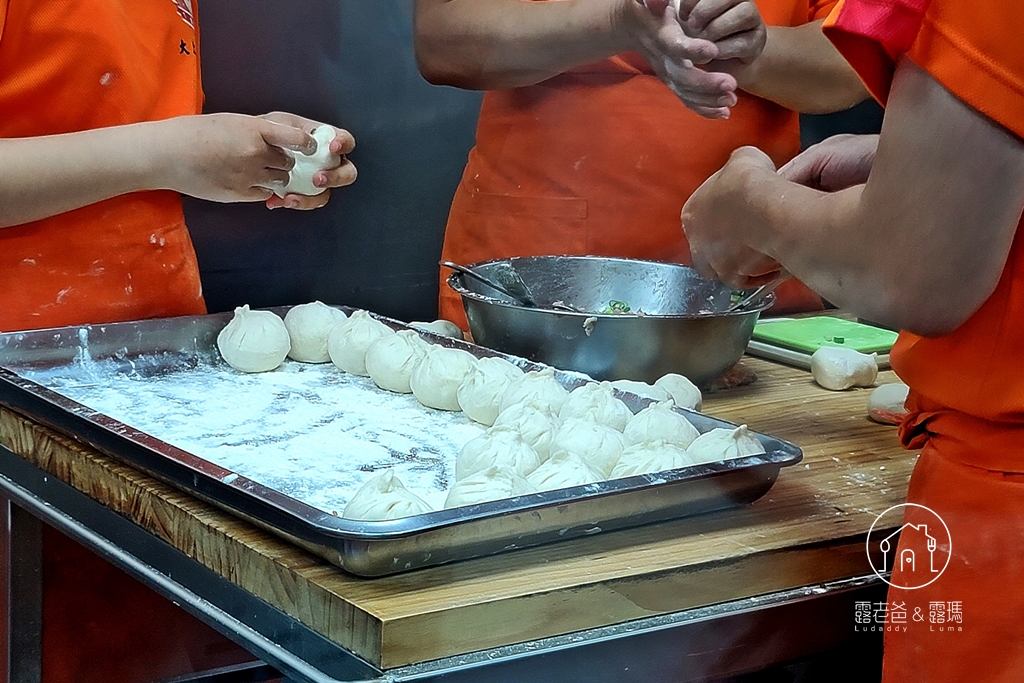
(699,644)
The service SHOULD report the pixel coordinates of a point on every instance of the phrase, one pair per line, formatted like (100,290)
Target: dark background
(350,63)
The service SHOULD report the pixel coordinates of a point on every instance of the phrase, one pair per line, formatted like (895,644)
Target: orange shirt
(600,160)
(69,66)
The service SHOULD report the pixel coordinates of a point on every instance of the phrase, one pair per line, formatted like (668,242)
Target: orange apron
(967,388)
(600,160)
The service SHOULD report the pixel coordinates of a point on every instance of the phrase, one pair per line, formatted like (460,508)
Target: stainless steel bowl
(678,324)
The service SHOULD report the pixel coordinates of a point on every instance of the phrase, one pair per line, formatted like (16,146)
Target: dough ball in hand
(254,341)
(309,326)
(300,178)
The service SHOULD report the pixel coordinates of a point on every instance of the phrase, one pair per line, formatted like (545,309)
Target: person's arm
(920,246)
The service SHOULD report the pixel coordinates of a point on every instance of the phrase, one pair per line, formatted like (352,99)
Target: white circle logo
(913,546)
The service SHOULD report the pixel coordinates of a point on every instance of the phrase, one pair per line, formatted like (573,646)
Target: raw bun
(684,392)
(501,446)
(660,422)
(351,339)
(254,341)
(723,444)
(885,404)
(309,325)
(563,470)
(491,484)
(534,422)
(445,328)
(599,445)
(596,400)
(641,389)
(384,497)
(648,458)
(839,369)
(539,386)
(480,393)
(436,379)
(300,178)
(391,359)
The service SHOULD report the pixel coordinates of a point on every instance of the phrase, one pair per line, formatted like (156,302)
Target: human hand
(834,164)
(339,176)
(734,26)
(714,224)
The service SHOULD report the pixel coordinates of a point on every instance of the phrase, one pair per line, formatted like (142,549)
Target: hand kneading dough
(534,422)
(641,389)
(660,422)
(839,369)
(309,325)
(886,403)
(350,340)
(501,446)
(300,178)
(480,393)
(445,328)
(539,386)
(491,484)
(384,497)
(599,445)
(391,359)
(254,341)
(723,444)
(562,471)
(435,380)
(684,392)
(648,458)
(596,400)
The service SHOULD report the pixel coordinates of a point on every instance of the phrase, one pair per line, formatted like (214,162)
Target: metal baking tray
(152,349)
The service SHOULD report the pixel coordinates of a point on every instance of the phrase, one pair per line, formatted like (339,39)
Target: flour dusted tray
(286,449)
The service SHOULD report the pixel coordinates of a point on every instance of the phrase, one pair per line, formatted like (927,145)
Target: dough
(445,328)
(641,389)
(539,386)
(501,446)
(684,392)
(596,400)
(480,393)
(254,341)
(885,404)
(351,339)
(599,445)
(839,369)
(660,421)
(435,380)
(723,444)
(384,497)
(300,178)
(649,457)
(309,325)
(534,422)
(491,484)
(391,359)
(562,471)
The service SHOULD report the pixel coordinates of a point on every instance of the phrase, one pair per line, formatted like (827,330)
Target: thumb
(656,7)
(287,137)
(752,155)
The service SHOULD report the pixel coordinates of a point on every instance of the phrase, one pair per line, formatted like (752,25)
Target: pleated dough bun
(309,326)
(501,446)
(534,422)
(480,393)
(563,470)
(659,421)
(391,359)
(384,497)
(351,339)
(596,400)
(648,458)
(254,341)
(435,380)
(599,445)
(493,483)
(538,386)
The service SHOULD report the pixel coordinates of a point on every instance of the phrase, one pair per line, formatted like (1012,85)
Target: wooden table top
(808,529)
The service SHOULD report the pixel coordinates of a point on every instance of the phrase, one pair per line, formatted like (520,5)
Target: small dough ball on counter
(596,400)
(254,341)
(351,339)
(839,369)
(535,423)
(684,392)
(480,393)
(886,403)
(599,445)
(309,326)
(445,328)
(659,421)
(539,386)
(300,178)
(391,359)
(384,497)
(649,457)
(435,380)
(493,483)
(501,446)
(641,389)
(563,470)
(723,444)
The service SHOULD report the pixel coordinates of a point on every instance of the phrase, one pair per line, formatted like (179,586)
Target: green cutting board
(810,334)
